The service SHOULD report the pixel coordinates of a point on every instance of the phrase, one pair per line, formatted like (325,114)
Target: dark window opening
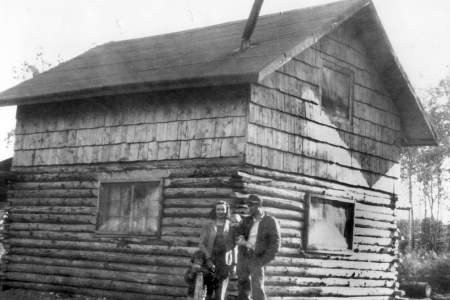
(132,208)
(329,225)
(337,92)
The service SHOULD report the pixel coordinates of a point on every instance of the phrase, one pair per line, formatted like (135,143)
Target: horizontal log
(222,181)
(92,292)
(375,208)
(54,193)
(118,246)
(180,240)
(289,232)
(223,166)
(380,202)
(186,212)
(89,202)
(288,252)
(188,222)
(193,202)
(348,263)
(181,231)
(53,218)
(294,242)
(361,231)
(27,185)
(378,241)
(362,222)
(320,186)
(27,175)
(291,224)
(170,258)
(366,254)
(51,227)
(283,213)
(375,249)
(273,183)
(197,192)
(374,216)
(311,281)
(264,190)
(185,241)
(126,276)
(98,283)
(328,272)
(296,205)
(371,257)
(51,235)
(70,210)
(328,291)
(109,264)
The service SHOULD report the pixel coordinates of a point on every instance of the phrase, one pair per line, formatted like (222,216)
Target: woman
(215,244)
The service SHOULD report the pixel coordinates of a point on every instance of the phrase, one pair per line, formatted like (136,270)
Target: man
(258,238)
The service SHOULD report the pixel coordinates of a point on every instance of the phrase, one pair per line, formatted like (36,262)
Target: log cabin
(121,152)
(5,167)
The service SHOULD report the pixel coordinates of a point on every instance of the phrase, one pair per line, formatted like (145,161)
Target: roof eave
(131,89)
(419,142)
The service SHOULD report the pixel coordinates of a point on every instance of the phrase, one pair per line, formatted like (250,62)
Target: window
(329,224)
(132,208)
(337,92)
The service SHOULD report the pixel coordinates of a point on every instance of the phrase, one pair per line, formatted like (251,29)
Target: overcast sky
(419,31)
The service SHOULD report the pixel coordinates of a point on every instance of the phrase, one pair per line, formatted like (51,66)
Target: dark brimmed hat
(253,200)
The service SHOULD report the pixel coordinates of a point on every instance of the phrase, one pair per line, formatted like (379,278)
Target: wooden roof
(210,56)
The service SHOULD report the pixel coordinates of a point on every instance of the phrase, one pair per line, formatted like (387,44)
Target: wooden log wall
(52,244)
(51,239)
(186,124)
(368,272)
(289,131)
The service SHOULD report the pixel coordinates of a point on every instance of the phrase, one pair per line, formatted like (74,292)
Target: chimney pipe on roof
(251,23)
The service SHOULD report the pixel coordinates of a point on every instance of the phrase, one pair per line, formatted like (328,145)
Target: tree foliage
(429,165)
(27,70)
(431,161)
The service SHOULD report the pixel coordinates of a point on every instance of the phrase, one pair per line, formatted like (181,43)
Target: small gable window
(337,92)
(130,208)
(329,225)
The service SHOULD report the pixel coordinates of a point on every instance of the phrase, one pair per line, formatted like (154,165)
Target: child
(199,264)
(235,221)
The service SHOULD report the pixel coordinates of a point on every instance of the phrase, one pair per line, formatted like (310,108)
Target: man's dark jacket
(267,240)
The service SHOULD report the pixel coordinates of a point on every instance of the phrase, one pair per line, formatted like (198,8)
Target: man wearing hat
(258,238)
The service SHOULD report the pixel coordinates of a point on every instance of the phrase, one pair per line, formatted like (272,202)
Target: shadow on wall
(371,154)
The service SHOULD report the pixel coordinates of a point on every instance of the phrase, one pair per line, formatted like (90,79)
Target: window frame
(305,232)
(157,234)
(351,74)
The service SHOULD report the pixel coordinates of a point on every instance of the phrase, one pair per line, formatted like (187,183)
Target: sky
(419,31)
